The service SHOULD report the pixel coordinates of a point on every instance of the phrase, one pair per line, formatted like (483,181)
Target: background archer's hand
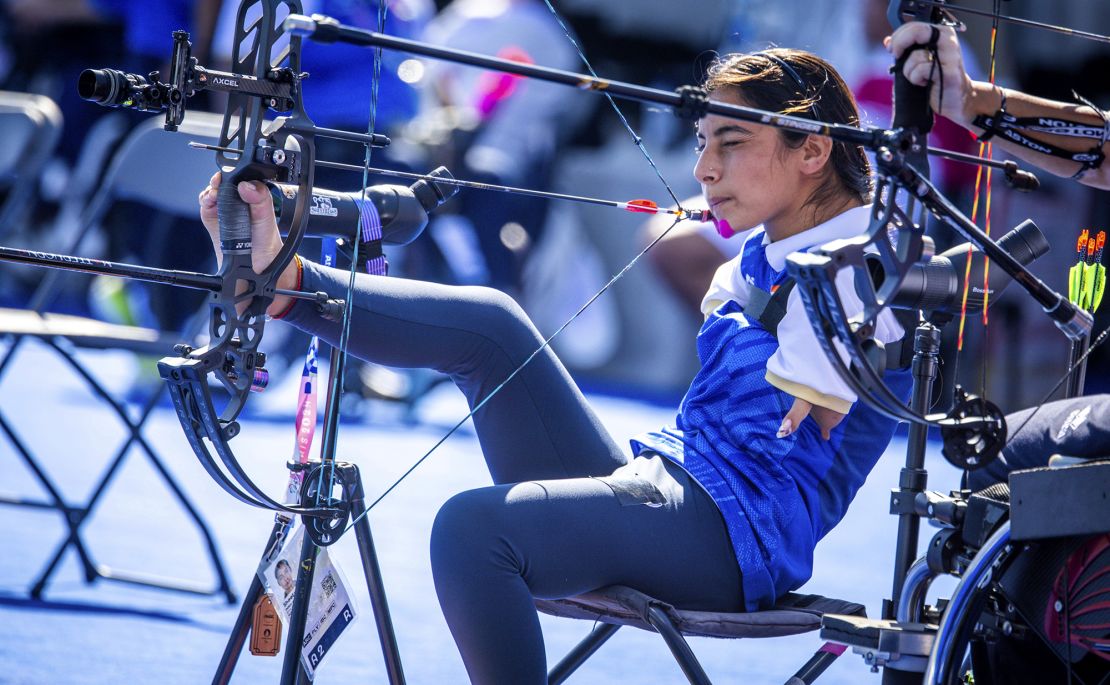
(952,88)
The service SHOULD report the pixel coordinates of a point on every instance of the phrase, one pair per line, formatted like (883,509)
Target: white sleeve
(800,366)
(728,282)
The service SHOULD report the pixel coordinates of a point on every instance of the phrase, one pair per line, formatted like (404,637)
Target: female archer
(720,511)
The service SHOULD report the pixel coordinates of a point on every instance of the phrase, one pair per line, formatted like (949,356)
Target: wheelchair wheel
(1034,613)
(968,601)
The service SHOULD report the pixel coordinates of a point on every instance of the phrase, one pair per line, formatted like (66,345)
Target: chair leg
(681,651)
(817,664)
(582,651)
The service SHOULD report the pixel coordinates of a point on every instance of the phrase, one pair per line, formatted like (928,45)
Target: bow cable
(331,428)
(987,209)
(986,151)
(635,138)
(996,16)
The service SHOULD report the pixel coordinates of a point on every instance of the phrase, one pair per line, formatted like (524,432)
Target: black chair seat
(619,605)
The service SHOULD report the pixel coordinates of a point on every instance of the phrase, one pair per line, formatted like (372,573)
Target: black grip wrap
(911,103)
(235,220)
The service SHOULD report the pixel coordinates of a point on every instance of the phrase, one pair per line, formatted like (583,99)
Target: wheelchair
(1033,601)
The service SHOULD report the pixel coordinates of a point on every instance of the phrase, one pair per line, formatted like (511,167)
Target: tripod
(319,533)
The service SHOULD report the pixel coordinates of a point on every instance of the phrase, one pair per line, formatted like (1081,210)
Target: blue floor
(107,632)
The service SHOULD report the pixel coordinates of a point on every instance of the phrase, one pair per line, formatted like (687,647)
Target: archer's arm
(963,100)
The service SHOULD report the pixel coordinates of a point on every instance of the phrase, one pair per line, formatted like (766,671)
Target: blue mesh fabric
(778,496)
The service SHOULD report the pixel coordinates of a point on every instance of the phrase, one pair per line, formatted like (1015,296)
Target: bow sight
(279,87)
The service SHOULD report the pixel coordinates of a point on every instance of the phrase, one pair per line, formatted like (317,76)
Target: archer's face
(747,174)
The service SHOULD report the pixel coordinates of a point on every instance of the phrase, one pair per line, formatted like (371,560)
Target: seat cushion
(792,614)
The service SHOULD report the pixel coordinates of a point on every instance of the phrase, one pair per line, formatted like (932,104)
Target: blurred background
(104,183)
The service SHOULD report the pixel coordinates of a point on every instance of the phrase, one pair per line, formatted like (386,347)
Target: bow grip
(911,103)
(235,220)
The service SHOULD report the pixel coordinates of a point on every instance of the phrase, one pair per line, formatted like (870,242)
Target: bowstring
(986,151)
(546,343)
(987,210)
(635,137)
(345,334)
(1101,338)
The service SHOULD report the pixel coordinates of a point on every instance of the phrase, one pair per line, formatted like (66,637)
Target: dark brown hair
(809,88)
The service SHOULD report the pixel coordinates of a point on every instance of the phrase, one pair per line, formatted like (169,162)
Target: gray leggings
(558,520)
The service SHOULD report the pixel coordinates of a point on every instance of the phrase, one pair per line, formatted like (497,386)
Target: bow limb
(882,260)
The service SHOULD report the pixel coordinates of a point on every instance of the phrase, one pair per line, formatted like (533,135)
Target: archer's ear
(816,151)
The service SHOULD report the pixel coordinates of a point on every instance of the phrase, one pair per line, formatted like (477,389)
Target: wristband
(292,301)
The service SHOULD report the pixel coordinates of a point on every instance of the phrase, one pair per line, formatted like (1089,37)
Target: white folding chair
(30,126)
(158,169)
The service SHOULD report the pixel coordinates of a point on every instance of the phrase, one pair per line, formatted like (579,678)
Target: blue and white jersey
(778,496)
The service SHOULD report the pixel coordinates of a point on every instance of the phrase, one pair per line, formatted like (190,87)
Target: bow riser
(816,278)
(268,61)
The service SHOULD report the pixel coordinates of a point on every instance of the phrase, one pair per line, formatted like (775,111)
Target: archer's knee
(493,308)
(467,531)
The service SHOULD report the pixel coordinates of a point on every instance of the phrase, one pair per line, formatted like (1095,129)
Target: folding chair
(128,177)
(617,605)
(30,126)
(97,148)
